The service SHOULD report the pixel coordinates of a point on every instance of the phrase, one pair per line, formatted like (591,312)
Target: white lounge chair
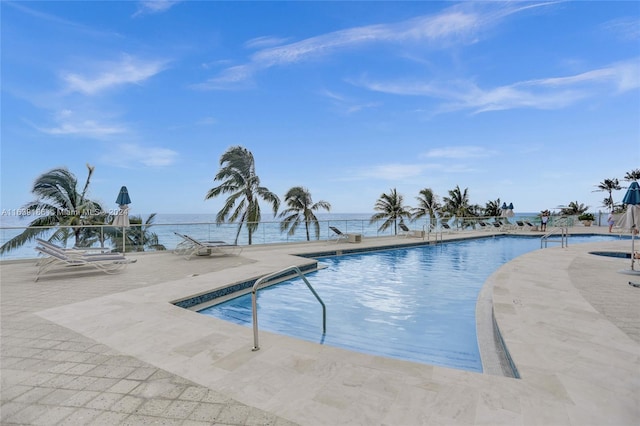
(189,247)
(408,232)
(446,227)
(484,226)
(108,263)
(342,236)
(70,251)
(497,225)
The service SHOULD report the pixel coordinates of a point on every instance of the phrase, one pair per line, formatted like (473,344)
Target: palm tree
(301,208)
(60,204)
(609,185)
(391,209)
(632,175)
(493,208)
(137,237)
(457,203)
(428,205)
(574,208)
(238,176)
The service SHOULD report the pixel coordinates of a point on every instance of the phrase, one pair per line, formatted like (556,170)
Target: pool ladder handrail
(563,231)
(431,230)
(266,278)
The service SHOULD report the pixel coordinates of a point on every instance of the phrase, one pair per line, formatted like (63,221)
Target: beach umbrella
(123,197)
(122,218)
(503,210)
(631,218)
(510,212)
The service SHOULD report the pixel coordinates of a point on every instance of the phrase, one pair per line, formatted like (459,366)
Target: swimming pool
(415,304)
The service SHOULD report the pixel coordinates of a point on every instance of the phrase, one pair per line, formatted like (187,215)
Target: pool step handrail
(262,281)
(562,231)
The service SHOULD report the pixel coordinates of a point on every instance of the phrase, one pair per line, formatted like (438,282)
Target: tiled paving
(113,351)
(54,376)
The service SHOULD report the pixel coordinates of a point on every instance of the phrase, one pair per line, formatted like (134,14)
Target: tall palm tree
(391,209)
(59,203)
(609,185)
(632,175)
(238,176)
(457,203)
(301,208)
(428,205)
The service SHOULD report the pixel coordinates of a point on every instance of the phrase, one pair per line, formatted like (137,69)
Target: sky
(532,103)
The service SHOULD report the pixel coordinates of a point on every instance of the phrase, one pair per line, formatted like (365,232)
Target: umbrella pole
(634,228)
(124,251)
(633,248)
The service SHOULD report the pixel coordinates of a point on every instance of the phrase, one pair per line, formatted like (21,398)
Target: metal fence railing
(144,237)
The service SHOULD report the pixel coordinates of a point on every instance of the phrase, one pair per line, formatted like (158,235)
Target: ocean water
(203,227)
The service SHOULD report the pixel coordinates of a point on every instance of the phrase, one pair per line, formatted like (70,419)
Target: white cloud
(393,171)
(458,152)
(627,29)
(346,105)
(264,41)
(70,123)
(128,70)
(458,24)
(623,75)
(83,128)
(547,93)
(132,155)
(154,6)
(230,78)
(63,23)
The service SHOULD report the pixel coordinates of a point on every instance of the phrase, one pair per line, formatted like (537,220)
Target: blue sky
(534,103)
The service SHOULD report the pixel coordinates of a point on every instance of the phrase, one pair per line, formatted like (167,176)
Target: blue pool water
(415,304)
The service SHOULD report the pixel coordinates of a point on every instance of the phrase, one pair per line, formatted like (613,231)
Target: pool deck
(111,349)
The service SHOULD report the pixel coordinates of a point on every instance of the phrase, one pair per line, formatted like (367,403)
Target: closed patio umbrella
(122,218)
(631,218)
(510,212)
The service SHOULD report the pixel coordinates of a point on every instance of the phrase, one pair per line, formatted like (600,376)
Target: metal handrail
(564,236)
(254,300)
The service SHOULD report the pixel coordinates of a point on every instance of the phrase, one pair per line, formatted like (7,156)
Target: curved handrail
(254,297)
(564,236)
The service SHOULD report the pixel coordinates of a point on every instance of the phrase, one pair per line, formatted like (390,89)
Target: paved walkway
(102,350)
(54,376)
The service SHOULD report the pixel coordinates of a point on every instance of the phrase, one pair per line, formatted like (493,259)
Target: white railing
(267,232)
(136,236)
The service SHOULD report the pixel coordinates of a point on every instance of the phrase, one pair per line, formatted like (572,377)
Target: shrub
(587,216)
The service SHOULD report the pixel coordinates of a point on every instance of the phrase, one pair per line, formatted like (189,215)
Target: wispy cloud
(458,152)
(84,128)
(546,93)
(60,22)
(71,124)
(126,70)
(347,105)
(625,28)
(458,24)
(397,172)
(393,172)
(148,7)
(207,121)
(132,155)
(264,42)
